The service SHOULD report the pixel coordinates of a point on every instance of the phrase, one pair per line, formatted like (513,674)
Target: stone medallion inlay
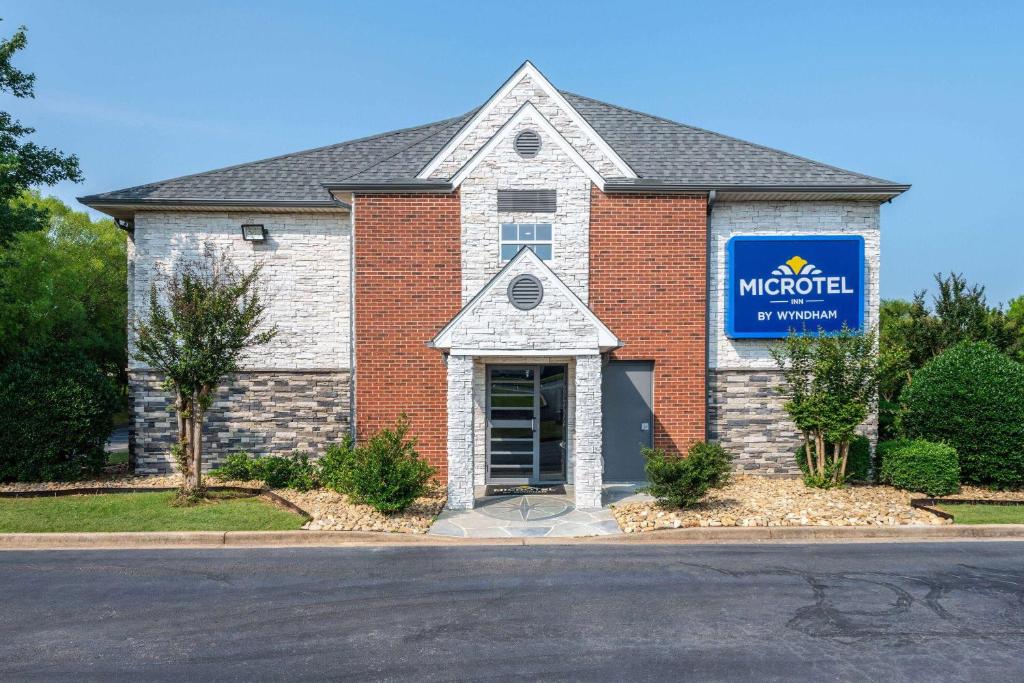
(544,515)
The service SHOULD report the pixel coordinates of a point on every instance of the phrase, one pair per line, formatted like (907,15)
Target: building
(660,260)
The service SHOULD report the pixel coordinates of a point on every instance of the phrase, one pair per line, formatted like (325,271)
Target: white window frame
(502,241)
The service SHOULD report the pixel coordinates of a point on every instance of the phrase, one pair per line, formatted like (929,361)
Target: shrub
(275,471)
(386,472)
(682,481)
(972,398)
(920,465)
(335,463)
(237,467)
(858,464)
(57,410)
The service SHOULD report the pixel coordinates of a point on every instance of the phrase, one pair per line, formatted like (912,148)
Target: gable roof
(605,338)
(664,154)
(527,112)
(529,73)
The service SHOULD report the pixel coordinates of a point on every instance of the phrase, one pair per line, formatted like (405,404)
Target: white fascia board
(527,353)
(606,339)
(530,113)
(527,69)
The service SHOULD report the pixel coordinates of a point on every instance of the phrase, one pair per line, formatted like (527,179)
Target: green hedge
(682,482)
(919,465)
(858,461)
(276,471)
(971,397)
(57,413)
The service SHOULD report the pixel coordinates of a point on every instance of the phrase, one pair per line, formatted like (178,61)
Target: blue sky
(926,93)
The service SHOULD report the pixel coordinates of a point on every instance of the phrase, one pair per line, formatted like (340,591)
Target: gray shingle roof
(658,150)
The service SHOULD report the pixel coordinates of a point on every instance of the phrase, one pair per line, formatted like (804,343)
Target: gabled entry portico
(524,386)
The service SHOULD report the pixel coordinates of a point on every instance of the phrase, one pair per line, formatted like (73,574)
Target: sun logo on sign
(797,266)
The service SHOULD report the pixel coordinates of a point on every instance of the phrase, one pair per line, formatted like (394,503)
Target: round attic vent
(527,144)
(525,292)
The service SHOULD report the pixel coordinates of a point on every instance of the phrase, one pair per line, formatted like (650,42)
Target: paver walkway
(545,515)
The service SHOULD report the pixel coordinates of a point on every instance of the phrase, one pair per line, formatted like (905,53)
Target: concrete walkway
(547,516)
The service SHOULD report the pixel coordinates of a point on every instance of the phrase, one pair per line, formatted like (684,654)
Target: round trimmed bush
(972,398)
(920,465)
(858,460)
(57,411)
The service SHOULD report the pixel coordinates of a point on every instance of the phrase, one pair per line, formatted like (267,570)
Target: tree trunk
(808,453)
(188,456)
(819,444)
(845,454)
(197,447)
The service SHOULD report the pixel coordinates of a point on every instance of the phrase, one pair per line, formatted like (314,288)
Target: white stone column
(460,432)
(588,475)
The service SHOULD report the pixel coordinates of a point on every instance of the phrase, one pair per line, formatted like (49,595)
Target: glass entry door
(526,408)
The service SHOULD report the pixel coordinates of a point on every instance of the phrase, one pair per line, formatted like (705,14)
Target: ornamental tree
(830,382)
(24,164)
(202,318)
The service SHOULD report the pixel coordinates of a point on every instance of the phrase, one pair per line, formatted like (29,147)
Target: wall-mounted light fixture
(253,232)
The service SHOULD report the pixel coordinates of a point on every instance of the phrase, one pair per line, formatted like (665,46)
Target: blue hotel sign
(778,284)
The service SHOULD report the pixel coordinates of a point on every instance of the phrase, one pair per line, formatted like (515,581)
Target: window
(516,236)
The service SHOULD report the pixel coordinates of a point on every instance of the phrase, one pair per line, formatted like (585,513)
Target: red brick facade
(647,283)
(648,269)
(407,287)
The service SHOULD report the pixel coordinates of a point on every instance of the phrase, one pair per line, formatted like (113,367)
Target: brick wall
(647,283)
(407,286)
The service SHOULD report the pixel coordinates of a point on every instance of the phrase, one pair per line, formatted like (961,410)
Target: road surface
(856,612)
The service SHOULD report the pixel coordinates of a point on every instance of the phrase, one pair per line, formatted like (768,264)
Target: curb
(698,535)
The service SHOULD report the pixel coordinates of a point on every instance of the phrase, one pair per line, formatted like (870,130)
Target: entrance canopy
(525,310)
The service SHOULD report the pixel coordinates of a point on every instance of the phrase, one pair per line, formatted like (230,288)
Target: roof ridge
(730,137)
(415,142)
(276,157)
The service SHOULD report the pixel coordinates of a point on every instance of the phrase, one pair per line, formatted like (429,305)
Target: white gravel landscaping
(772,501)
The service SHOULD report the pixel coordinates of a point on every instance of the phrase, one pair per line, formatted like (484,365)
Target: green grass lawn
(226,511)
(117,457)
(986,514)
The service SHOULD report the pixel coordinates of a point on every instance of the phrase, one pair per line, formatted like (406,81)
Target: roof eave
(121,207)
(387,186)
(655,187)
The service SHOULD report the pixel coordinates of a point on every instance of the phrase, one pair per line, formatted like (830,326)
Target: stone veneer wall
(294,393)
(263,412)
(306,261)
(744,411)
(746,418)
(504,169)
(466,426)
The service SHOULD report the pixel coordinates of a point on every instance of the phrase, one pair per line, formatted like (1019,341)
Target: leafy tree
(24,164)
(912,333)
(64,288)
(960,313)
(1015,323)
(202,318)
(830,383)
(898,319)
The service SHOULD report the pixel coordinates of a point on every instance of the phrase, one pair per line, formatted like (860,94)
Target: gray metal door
(627,415)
